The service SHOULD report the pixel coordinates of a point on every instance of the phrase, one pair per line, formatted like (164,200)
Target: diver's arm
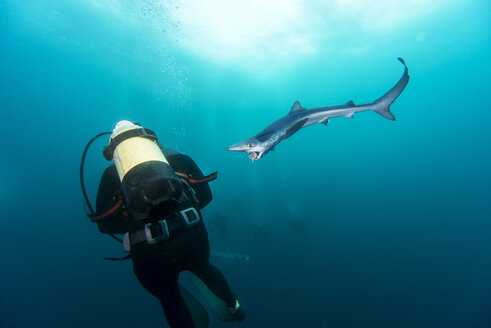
(108,186)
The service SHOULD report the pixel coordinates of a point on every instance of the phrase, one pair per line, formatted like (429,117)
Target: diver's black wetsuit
(157,266)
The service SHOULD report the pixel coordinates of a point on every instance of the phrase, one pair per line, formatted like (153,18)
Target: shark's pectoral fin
(350,115)
(325,121)
(297,126)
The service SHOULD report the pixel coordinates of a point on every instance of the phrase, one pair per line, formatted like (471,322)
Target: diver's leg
(216,282)
(164,286)
(175,309)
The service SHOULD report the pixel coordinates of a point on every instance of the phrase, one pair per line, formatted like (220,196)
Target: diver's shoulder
(171,152)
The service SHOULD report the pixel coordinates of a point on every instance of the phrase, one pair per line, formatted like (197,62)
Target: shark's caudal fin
(382,105)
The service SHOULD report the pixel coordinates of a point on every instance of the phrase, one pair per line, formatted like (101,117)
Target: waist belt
(156,232)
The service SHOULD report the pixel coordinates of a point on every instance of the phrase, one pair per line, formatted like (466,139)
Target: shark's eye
(249,145)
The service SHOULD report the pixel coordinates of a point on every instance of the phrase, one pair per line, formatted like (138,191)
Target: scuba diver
(153,195)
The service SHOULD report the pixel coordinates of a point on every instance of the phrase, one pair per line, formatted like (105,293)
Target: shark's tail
(382,105)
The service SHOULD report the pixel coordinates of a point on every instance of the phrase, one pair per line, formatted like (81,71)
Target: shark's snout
(236,147)
(239,146)
(250,147)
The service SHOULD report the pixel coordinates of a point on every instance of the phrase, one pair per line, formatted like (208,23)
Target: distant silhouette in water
(259,232)
(220,223)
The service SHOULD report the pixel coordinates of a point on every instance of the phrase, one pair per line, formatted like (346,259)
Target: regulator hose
(82,183)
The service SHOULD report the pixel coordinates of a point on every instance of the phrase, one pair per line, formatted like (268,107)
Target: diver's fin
(218,306)
(200,316)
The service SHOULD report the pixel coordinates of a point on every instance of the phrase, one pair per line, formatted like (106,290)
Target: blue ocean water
(363,223)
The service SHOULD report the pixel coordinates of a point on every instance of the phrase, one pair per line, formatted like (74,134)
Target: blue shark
(299,117)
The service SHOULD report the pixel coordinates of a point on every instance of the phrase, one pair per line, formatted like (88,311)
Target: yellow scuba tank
(149,185)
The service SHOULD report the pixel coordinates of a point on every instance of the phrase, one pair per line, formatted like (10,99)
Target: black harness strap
(141,132)
(127,257)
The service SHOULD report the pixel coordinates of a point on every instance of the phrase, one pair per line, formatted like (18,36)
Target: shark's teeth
(254,155)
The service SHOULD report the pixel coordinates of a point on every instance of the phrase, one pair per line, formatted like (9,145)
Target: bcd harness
(118,206)
(154,230)
(160,230)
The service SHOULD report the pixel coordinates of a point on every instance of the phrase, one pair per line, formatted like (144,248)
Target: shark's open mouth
(254,155)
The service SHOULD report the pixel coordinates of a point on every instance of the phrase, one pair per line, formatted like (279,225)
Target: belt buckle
(164,229)
(190,217)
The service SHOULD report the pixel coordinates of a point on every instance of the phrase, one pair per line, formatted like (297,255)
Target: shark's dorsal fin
(350,103)
(296,107)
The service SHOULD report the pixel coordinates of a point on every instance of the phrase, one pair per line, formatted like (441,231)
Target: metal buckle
(164,229)
(127,242)
(190,217)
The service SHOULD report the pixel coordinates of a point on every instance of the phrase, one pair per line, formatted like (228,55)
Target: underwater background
(363,223)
